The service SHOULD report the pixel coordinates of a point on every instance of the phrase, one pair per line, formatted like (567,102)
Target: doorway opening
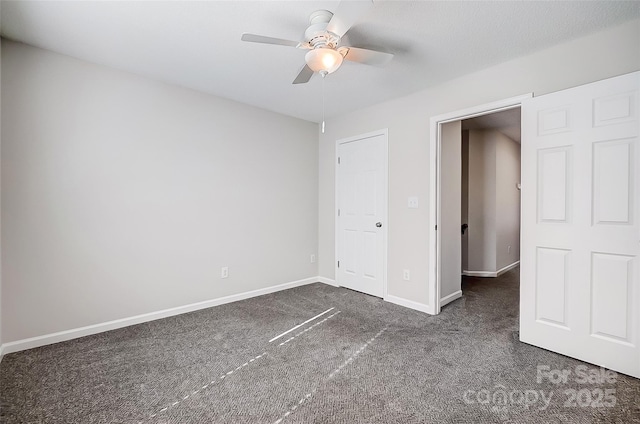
(490,194)
(446,240)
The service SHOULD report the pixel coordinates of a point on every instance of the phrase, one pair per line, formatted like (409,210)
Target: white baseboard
(62,336)
(480,273)
(507,268)
(410,304)
(328,281)
(492,274)
(450,298)
(1,351)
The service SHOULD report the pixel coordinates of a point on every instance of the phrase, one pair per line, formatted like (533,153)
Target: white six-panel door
(361,195)
(580,259)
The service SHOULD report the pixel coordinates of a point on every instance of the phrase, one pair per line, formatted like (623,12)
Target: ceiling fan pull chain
(323,75)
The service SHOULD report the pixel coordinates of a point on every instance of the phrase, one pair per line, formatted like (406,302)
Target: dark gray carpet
(365,361)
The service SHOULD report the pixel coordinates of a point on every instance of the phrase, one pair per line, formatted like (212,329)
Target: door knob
(378,224)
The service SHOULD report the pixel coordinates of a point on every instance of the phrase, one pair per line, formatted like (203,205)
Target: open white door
(450,241)
(361,200)
(580,259)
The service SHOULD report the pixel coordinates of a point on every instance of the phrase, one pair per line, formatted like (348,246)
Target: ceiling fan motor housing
(316,34)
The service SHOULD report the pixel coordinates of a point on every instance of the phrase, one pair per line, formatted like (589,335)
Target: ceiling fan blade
(253,38)
(346,15)
(368,57)
(304,76)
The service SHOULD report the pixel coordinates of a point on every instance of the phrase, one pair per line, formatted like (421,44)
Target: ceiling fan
(322,39)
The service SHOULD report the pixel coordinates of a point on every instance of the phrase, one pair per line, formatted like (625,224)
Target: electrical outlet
(406,275)
(224,272)
(313,258)
(508,249)
(412,202)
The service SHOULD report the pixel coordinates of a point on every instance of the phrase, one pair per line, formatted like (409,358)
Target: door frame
(385,227)
(435,140)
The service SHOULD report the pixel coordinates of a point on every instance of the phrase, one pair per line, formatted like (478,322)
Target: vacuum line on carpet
(300,325)
(239,367)
(308,328)
(205,386)
(358,352)
(308,396)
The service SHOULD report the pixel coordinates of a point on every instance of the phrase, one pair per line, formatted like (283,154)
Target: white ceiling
(506,121)
(197,44)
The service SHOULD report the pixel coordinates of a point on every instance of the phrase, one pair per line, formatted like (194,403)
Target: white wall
(493,201)
(482,202)
(507,201)
(122,195)
(612,52)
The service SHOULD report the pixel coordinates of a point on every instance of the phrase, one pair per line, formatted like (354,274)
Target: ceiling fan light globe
(328,61)
(323,60)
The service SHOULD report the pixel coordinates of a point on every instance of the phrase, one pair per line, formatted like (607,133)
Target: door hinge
(338,212)
(338,264)
(436,228)
(338,160)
